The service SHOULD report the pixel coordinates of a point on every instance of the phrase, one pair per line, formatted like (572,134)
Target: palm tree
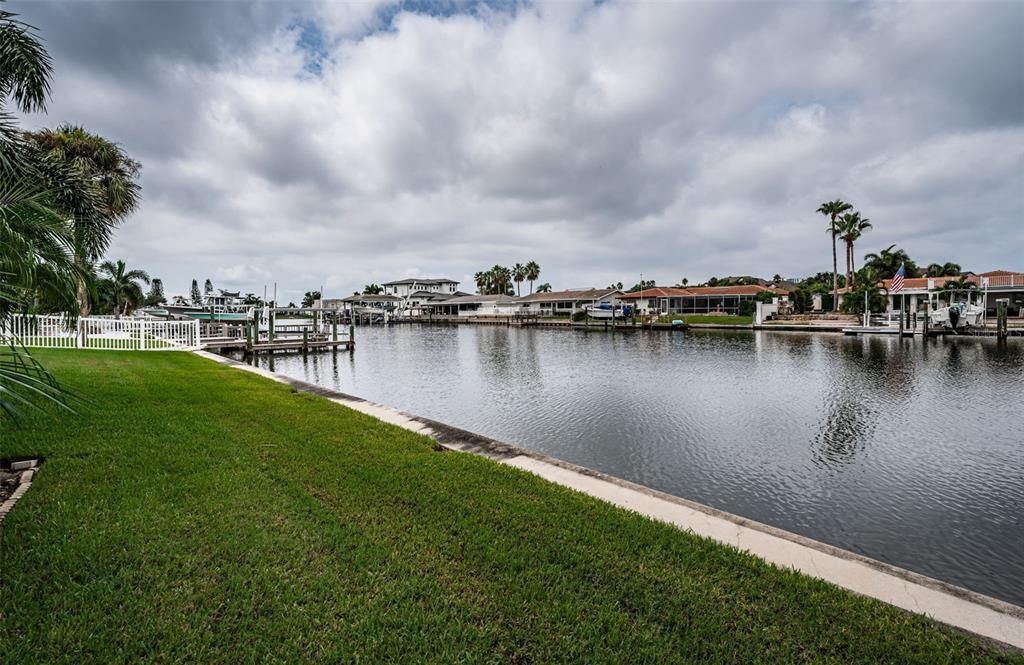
(97,188)
(518,275)
(532,273)
(832,210)
(123,285)
(957,284)
(25,71)
(35,243)
(544,288)
(943,270)
(869,290)
(850,229)
(888,261)
(480,279)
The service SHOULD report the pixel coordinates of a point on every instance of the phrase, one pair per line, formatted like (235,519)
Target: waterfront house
(555,303)
(476,305)
(698,299)
(998,284)
(360,301)
(404,288)
(419,302)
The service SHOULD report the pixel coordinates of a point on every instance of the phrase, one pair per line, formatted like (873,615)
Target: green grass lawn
(192,512)
(717,319)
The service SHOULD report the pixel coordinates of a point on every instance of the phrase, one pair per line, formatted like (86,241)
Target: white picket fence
(94,332)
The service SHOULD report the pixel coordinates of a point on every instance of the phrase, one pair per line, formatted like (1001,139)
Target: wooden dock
(290,343)
(250,337)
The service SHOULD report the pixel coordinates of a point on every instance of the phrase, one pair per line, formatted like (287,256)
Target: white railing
(1012,281)
(93,332)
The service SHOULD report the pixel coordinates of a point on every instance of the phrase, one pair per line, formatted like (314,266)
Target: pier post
(248,336)
(270,326)
(927,320)
(334,328)
(351,337)
(902,314)
(1002,322)
(305,340)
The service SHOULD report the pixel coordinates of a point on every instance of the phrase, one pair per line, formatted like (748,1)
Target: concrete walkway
(947,603)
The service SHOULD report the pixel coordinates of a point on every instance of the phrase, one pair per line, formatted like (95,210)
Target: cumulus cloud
(344,143)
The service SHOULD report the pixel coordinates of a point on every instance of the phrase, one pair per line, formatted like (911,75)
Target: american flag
(897,280)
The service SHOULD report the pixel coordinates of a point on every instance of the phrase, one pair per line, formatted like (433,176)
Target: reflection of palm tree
(860,397)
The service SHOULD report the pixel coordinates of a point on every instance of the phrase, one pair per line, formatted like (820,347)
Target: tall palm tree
(480,278)
(851,227)
(532,273)
(123,285)
(832,210)
(518,275)
(103,192)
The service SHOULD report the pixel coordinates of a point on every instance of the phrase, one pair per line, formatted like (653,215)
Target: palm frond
(24,383)
(25,66)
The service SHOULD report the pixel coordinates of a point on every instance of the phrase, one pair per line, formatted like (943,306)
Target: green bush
(747,307)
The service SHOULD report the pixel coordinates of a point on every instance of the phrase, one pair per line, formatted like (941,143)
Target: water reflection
(905,450)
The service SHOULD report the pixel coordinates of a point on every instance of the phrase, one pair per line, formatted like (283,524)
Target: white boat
(608,311)
(225,306)
(957,310)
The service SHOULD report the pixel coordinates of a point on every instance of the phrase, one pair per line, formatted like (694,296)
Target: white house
(555,303)
(477,305)
(404,288)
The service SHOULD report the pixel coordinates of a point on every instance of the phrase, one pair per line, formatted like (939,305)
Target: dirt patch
(9,481)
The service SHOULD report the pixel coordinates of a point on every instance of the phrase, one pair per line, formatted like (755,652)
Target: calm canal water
(908,452)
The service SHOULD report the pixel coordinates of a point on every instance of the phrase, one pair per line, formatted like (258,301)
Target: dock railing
(101,333)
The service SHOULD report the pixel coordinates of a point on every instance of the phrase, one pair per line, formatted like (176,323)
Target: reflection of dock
(878,330)
(981,331)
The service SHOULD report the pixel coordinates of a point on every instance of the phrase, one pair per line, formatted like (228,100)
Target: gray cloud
(601,140)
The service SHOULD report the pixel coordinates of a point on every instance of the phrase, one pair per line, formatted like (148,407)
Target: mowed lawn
(193,512)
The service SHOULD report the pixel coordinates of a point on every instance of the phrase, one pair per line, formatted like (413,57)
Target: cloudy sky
(342,143)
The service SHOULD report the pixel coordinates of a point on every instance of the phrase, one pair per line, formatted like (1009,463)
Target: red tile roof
(657,292)
(690,291)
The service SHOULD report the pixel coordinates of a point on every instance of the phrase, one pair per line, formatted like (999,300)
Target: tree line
(499,280)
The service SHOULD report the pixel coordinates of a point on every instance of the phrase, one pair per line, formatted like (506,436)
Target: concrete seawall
(956,606)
